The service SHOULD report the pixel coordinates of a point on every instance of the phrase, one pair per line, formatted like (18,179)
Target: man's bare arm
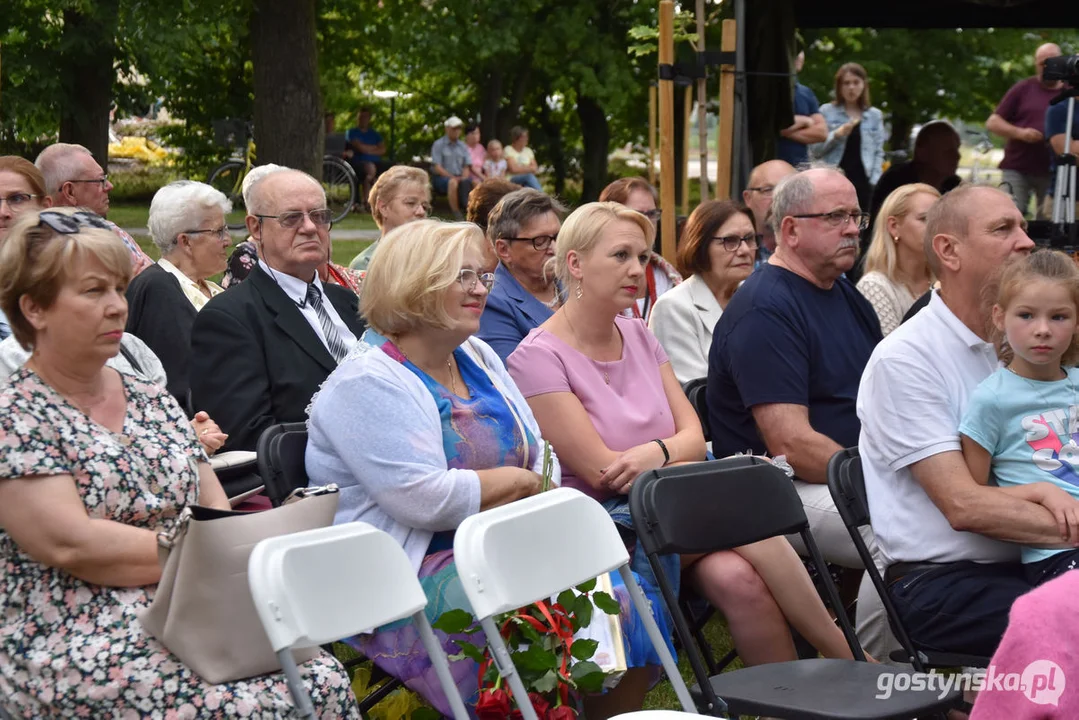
(786,431)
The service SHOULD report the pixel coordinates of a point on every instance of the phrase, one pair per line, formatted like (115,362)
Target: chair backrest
(321,585)
(716,505)
(847,486)
(573,533)
(280,452)
(695,392)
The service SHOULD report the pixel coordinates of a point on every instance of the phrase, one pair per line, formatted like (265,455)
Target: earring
(579,292)
(895,239)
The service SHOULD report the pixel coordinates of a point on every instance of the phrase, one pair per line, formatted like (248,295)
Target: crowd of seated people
(435,372)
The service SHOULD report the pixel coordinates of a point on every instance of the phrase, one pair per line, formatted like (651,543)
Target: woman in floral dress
(94,464)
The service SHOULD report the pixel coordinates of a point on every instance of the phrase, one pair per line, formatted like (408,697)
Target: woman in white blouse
(896,269)
(719,246)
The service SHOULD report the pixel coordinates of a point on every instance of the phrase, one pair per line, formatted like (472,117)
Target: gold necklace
(449,366)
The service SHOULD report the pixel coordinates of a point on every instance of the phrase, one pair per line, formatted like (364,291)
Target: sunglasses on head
(69,224)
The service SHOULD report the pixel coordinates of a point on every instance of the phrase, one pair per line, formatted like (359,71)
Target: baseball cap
(454,121)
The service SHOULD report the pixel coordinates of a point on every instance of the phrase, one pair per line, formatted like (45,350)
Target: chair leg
(441,665)
(504,664)
(296,688)
(696,626)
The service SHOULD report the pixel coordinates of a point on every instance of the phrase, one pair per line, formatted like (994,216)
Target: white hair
(175,208)
(252,196)
(59,163)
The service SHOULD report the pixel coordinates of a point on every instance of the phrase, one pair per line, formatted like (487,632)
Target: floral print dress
(72,649)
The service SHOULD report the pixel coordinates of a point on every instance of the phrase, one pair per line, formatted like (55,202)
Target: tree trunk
(89,48)
(556,147)
(597,137)
(509,115)
(490,104)
(288,104)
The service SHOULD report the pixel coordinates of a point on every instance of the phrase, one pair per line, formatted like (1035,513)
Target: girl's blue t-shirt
(1031,430)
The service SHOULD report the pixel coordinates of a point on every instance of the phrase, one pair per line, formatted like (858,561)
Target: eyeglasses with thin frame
(71,224)
(840,218)
(219,232)
(731,243)
(540,242)
(412,203)
(321,218)
(653,215)
(469,277)
(765,190)
(102,181)
(17,200)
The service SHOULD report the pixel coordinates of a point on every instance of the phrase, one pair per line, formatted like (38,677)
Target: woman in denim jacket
(855,140)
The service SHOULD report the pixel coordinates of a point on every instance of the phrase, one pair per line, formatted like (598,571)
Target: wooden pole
(687,114)
(652,101)
(725,146)
(702,110)
(666,130)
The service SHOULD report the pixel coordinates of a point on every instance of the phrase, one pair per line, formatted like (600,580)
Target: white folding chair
(321,585)
(532,549)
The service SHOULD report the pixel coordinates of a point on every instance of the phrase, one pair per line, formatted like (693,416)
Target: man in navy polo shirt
(809,125)
(788,352)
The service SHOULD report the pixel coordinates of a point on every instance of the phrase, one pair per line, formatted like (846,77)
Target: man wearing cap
(450,159)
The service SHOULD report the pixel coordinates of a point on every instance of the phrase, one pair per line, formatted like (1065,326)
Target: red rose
(516,715)
(493,704)
(540,704)
(562,712)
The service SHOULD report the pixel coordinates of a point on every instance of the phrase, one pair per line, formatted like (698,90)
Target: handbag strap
(473,353)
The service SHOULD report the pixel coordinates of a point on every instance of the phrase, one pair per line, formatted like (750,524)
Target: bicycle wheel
(228,177)
(339,182)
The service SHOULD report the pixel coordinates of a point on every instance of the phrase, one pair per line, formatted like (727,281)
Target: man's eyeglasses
(102,181)
(221,232)
(653,215)
(840,218)
(70,224)
(540,242)
(468,279)
(765,190)
(321,218)
(16,200)
(732,242)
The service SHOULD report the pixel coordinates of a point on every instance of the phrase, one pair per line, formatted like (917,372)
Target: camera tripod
(1064,193)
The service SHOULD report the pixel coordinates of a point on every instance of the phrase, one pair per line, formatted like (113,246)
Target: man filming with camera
(1062,138)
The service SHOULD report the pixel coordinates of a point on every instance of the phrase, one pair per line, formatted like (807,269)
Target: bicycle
(339,180)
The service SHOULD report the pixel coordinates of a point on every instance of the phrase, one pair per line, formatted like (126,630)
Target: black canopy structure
(766,41)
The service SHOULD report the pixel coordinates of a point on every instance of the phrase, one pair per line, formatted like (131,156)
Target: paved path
(241,234)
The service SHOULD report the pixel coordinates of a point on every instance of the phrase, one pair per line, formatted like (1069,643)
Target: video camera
(1064,68)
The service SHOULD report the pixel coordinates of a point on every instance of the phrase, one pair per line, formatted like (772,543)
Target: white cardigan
(683,320)
(375,431)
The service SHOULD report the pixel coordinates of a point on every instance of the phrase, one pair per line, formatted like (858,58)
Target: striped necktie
(334,343)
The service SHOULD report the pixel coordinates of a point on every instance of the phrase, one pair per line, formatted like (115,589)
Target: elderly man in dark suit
(261,349)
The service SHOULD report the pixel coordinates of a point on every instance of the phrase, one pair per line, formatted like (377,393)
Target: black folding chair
(847,486)
(695,391)
(281,450)
(723,504)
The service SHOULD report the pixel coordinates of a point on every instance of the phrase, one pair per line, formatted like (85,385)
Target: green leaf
(583,649)
(582,610)
(546,683)
(471,651)
(587,676)
(606,603)
(535,658)
(587,587)
(529,633)
(566,598)
(454,622)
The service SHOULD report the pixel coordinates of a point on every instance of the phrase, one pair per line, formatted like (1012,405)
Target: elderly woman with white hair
(245,256)
(187,223)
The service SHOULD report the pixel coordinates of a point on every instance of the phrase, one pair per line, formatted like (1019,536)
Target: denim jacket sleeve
(873,144)
(831,150)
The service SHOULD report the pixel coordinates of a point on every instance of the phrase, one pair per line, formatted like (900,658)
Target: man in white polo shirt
(942,536)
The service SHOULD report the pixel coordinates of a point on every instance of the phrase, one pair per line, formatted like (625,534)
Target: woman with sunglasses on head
(660,276)
(523,230)
(719,246)
(421,427)
(105,461)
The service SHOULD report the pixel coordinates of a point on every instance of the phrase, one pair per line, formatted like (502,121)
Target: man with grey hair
(523,230)
(73,178)
(187,223)
(787,354)
(939,532)
(261,349)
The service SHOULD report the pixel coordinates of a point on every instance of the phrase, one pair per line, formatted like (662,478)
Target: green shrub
(137,182)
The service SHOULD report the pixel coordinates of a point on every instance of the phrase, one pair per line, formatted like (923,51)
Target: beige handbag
(202,611)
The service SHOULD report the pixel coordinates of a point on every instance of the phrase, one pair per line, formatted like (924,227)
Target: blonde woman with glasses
(399,196)
(896,269)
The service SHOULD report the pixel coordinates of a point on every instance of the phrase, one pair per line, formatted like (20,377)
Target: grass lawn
(133,216)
